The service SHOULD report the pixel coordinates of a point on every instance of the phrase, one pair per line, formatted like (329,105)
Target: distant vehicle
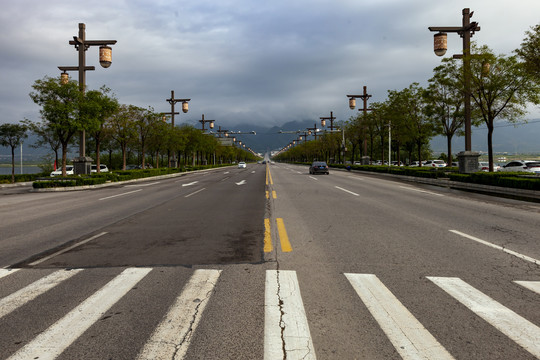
(415,163)
(434,163)
(102,168)
(453,164)
(484,166)
(357,163)
(242,165)
(522,166)
(69,171)
(319,167)
(131,167)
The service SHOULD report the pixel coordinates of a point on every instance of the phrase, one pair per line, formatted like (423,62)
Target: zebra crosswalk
(286,324)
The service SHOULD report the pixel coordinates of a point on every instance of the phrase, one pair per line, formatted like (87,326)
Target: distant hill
(507,138)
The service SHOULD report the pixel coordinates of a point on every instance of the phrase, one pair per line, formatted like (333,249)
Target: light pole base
(82,165)
(365,160)
(468,162)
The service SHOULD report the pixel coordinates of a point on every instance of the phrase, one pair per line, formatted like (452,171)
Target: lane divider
(282,233)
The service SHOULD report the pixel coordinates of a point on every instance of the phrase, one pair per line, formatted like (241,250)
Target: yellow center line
(267,236)
(267,196)
(284,239)
(274,195)
(269,176)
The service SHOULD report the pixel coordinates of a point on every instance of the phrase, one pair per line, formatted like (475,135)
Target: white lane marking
(127,193)
(531,285)
(241,182)
(505,320)
(32,291)
(347,191)
(253,172)
(356,177)
(143,185)
(314,178)
(191,183)
(226,172)
(503,249)
(193,193)
(6,272)
(422,191)
(173,335)
(67,249)
(285,318)
(53,341)
(407,334)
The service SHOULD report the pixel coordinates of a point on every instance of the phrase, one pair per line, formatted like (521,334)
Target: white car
(434,163)
(102,168)
(522,165)
(242,165)
(484,166)
(69,171)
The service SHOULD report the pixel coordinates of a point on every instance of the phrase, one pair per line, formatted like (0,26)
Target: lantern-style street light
(352,104)
(468,160)
(210,122)
(82,163)
(185,109)
(331,118)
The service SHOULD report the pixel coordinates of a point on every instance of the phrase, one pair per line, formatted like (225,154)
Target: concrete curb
(531,195)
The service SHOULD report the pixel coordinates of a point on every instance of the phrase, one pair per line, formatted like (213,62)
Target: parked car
(414,163)
(484,166)
(242,165)
(69,171)
(319,167)
(522,166)
(434,163)
(102,168)
(131,167)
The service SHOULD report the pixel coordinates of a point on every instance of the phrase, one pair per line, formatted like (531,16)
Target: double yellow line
(283,237)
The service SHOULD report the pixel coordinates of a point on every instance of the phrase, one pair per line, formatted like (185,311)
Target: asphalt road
(268,262)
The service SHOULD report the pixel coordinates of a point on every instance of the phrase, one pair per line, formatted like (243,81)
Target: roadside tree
(501,88)
(11,135)
(99,106)
(444,101)
(61,106)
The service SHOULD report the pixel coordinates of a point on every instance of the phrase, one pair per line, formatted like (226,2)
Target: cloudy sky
(244,61)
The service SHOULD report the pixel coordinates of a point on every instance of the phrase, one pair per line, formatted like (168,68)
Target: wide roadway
(368,268)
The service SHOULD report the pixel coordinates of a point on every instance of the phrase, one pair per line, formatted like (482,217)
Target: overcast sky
(244,61)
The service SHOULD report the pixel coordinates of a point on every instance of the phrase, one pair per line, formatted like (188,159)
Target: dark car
(319,167)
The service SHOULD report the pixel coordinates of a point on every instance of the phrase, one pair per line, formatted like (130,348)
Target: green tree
(11,135)
(99,106)
(444,101)
(46,137)
(416,124)
(501,87)
(61,110)
(121,127)
(529,51)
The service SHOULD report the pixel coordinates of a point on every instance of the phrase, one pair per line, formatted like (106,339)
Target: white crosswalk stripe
(286,328)
(407,334)
(172,337)
(21,297)
(52,342)
(505,320)
(286,324)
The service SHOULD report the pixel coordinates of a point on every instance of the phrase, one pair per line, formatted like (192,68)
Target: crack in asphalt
(189,332)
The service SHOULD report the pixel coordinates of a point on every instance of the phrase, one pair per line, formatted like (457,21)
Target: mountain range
(507,138)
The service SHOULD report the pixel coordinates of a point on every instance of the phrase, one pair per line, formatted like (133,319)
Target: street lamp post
(185,109)
(468,160)
(82,163)
(352,104)
(203,121)
(331,118)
